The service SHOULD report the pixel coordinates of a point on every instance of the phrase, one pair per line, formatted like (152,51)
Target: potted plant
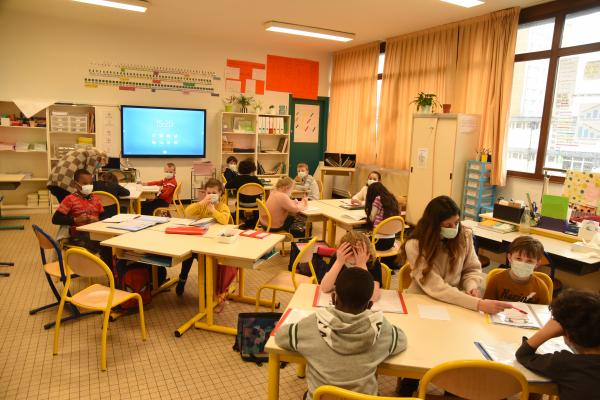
(425,102)
(244,102)
(257,107)
(228,103)
(271,109)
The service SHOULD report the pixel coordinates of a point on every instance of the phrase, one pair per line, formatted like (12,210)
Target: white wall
(516,189)
(46,58)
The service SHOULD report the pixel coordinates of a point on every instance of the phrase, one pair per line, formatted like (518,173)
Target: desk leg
(209,325)
(156,288)
(241,296)
(201,305)
(273,380)
(331,228)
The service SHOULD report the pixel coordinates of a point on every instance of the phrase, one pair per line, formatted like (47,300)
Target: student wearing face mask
(305,181)
(355,250)
(282,207)
(82,208)
(167,188)
(210,206)
(232,168)
(518,282)
(361,196)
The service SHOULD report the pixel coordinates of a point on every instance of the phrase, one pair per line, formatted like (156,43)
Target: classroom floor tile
(200,364)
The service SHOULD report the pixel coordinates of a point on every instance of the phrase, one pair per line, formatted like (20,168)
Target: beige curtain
(351,127)
(486,52)
(424,61)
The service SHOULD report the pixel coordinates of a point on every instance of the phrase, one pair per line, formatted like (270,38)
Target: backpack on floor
(253,331)
(134,278)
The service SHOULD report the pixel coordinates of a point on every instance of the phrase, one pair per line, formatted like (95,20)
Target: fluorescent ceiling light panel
(465,3)
(129,5)
(301,30)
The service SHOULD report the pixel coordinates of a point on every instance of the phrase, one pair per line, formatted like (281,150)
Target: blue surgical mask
(449,233)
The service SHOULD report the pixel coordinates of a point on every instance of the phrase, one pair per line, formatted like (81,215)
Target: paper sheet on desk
(433,312)
(504,353)
(355,215)
(120,218)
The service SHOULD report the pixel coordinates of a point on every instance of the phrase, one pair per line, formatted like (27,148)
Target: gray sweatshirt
(342,349)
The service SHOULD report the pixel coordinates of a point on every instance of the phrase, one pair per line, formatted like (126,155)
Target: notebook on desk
(523,315)
(134,225)
(390,301)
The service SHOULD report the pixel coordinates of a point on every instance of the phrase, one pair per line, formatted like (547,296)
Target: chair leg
(301,370)
(273,301)
(42,308)
(103,343)
(258,292)
(142,319)
(61,307)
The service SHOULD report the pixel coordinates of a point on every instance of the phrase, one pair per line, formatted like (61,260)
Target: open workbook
(505,353)
(390,301)
(523,315)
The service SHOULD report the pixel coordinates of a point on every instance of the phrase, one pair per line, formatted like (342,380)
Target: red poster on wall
(250,75)
(294,75)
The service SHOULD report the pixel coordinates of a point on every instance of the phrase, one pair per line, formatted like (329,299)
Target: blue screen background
(163,132)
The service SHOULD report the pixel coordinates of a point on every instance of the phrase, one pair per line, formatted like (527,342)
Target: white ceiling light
(465,3)
(292,29)
(129,5)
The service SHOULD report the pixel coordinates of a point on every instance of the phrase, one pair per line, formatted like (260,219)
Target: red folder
(186,230)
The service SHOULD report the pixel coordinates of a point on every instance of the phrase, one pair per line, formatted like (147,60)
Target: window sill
(534,177)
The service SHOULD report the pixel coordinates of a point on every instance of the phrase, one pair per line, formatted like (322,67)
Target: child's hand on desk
(492,306)
(354,201)
(93,218)
(551,330)
(81,220)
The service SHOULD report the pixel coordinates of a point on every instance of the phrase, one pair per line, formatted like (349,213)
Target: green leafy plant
(426,99)
(229,100)
(244,101)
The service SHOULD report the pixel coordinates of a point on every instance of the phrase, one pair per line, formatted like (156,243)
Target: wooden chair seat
(96,297)
(283,281)
(53,269)
(393,251)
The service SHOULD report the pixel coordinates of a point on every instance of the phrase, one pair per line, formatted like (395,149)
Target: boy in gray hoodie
(344,345)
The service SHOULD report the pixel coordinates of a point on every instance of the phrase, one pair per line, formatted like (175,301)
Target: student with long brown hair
(443,261)
(381,204)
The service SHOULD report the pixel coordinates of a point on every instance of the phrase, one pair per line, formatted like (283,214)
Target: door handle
(411,169)
(450,175)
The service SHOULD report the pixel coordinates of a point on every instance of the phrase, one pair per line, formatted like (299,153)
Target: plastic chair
(225,191)
(107,199)
(95,297)
(328,392)
(544,277)
(404,278)
(288,281)
(476,379)
(389,226)
(177,205)
(52,270)
(249,189)
(386,276)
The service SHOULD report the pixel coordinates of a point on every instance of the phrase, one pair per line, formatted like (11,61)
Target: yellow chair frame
(404,278)
(389,226)
(476,379)
(249,189)
(83,263)
(386,276)
(225,191)
(304,256)
(328,392)
(543,276)
(320,185)
(107,199)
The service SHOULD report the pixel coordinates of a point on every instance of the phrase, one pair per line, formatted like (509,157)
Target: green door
(309,152)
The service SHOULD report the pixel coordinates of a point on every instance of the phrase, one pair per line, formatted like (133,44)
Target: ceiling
(242,21)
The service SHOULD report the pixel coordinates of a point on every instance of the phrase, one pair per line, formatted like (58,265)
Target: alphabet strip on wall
(134,76)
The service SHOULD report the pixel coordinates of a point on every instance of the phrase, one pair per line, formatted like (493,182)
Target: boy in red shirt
(81,208)
(165,195)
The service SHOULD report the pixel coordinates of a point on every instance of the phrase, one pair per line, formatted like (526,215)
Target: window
(555,102)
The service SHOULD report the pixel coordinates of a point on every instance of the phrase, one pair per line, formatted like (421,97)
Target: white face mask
(214,198)
(370,181)
(169,175)
(521,269)
(449,233)
(86,190)
(233,167)
(302,174)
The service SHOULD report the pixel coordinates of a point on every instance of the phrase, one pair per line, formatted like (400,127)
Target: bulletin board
(306,123)
(297,76)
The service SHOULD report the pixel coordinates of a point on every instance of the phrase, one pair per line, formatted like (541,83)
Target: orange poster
(248,77)
(293,75)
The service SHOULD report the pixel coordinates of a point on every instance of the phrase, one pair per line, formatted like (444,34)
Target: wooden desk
(101,230)
(11,182)
(430,342)
(242,254)
(331,210)
(539,231)
(339,171)
(137,193)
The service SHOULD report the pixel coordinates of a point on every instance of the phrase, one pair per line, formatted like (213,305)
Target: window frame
(559,11)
